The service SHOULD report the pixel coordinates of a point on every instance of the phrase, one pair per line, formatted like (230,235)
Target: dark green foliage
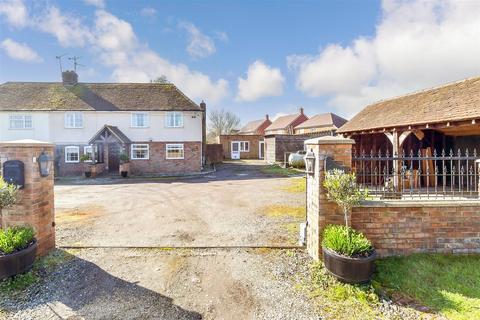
(347,242)
(15,238)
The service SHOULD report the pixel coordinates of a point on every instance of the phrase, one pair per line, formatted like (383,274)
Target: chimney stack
(69,78)
(301,110)
(266,117)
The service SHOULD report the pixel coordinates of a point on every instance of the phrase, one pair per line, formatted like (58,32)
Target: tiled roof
(329,120)
(252,126)
(451,102)
(54,96)
(283,122)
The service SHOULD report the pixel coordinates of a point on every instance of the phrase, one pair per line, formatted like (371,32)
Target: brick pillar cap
(329,140)
(26,143)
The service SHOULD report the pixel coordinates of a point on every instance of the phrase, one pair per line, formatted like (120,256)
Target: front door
(235,150)
(261,150)
(113,157)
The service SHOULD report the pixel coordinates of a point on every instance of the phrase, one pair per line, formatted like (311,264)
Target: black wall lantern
(44,164)
(310,162)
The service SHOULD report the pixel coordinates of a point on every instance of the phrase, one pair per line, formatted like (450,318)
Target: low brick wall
(405,227)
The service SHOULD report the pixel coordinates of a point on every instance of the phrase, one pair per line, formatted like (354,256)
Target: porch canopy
(107,145)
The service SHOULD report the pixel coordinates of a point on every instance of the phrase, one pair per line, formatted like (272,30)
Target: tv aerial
(75,63)
(59,58)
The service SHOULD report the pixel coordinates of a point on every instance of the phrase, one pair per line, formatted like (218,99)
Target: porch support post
(397,141)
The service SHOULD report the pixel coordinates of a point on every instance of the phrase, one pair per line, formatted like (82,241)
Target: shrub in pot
(18,248)
(17,244)
(87,167)
(347,254)
(124,165)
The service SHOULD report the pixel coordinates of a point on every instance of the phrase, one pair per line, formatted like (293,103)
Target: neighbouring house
(247,143)
(158,127)
(286,124)
(256,127)
(325,123)
(423,142)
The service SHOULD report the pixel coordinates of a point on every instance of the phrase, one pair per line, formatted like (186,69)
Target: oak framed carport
(424,142)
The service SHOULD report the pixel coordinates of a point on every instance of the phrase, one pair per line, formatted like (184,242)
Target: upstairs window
(21,122)
(72,154)
(73,120)
(139,120)
(175,151)
(174,120)
(140,151)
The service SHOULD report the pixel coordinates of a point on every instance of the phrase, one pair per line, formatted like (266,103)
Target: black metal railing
(419,175)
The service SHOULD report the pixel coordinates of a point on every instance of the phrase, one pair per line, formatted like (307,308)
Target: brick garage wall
(159,164)
(254,140)
(35,206)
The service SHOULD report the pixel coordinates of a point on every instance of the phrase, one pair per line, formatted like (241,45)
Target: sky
(250,57)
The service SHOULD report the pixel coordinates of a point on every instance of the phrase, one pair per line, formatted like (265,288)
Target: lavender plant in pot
(347,254)
(18,246)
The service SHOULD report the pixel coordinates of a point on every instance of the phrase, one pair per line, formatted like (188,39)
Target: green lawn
(279,171)
(446,284)
(426,286)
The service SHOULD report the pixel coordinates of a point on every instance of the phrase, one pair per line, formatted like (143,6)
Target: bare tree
(222,122)
(162,79)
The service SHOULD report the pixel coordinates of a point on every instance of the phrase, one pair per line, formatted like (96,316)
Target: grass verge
(284,211)
(279,171)
(447,284)
(297,185)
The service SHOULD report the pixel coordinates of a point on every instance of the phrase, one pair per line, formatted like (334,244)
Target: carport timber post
(339,150)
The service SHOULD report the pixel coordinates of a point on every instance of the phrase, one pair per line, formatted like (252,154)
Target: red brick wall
(35,206)
(159,164)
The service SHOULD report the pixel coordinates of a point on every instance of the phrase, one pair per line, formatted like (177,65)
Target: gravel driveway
(226,208)
(236,206)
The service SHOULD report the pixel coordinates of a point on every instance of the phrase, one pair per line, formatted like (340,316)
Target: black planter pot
(124,174)
(350,270)
(88,174)
(17,262)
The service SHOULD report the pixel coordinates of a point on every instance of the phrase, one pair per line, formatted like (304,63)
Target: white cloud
(261,81)
(68,29)
(135,62)
(19,51)
(221,36)
(118,47)
(199,45)
(148,12)
(417,44)
(96,3)
(15,12)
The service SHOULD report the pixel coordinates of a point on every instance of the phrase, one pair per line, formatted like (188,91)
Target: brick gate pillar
(330,152)
(35,206)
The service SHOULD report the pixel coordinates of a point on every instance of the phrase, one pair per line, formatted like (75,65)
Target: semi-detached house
(159,128)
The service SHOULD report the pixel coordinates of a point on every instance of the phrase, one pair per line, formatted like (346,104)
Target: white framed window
(88,150)
(20,121)
(175,151)
(244,146)
(140,151)
(73,120)
(72,154)
(139,120)
(174,119)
